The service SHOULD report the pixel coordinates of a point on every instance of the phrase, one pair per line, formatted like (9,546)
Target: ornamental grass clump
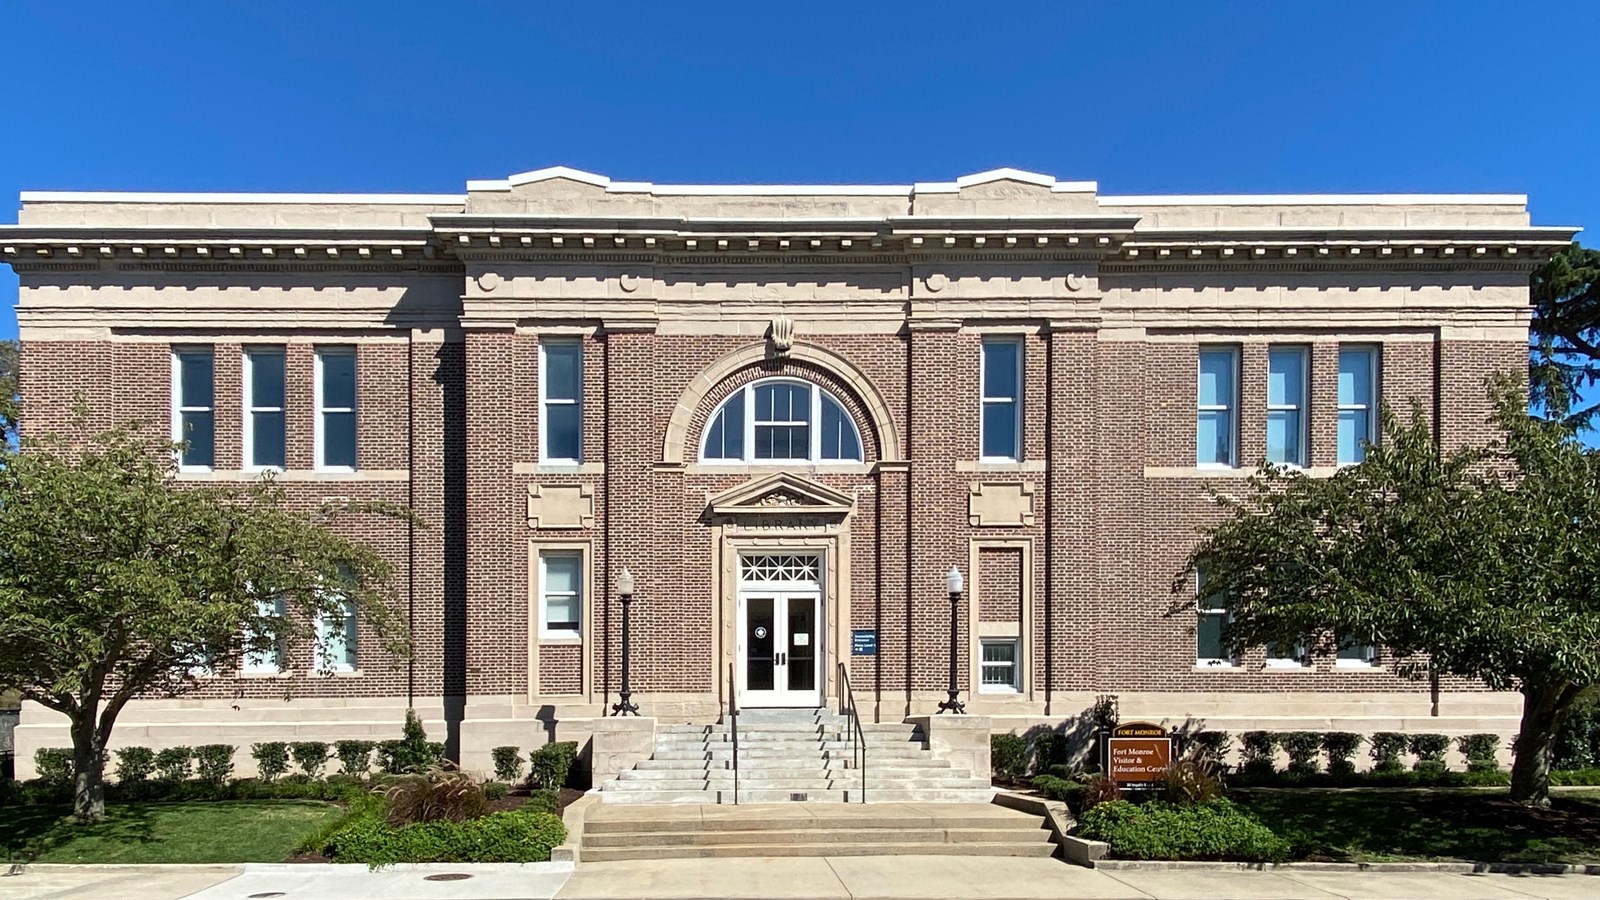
(1192,780)
(440,794)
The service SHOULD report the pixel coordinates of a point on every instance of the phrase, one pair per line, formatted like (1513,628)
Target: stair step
(788,783)
(874,795)
(825,816)
(703,838)
(614,854)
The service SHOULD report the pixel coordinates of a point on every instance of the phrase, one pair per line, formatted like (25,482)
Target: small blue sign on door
(864,642)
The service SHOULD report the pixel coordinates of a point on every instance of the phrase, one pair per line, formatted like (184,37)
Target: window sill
(1287,666)
(286,475)
(999,692)
(1352,666)
(801,466)
(281,673)
(1204,666)
(335,673)
(996,465)
(558,468)
(556,640)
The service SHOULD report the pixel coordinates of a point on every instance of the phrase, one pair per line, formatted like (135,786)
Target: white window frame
(984,400)
(1300,660)
(546,401)
(348,661)
(546,633)
(813,435)
(1201,610)
(274,663)
(250,408)
(1303,354)
(1369,659)
(317,401)
(1015,685)
(1232,409)
(1371,352)
(178,409)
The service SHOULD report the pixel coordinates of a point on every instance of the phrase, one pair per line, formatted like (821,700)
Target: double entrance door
(780,645)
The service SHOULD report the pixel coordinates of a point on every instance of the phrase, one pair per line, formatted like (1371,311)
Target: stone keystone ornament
(781,333)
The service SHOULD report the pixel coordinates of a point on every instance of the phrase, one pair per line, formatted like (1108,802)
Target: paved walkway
(833,878)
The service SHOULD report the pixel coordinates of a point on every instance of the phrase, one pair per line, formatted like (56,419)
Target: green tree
(10,403)
(1483,562)
(117,582)
(1565,351)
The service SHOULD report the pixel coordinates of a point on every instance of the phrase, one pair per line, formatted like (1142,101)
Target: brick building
(788,412)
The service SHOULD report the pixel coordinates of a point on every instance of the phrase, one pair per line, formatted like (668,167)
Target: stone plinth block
(619,743)
(964,740)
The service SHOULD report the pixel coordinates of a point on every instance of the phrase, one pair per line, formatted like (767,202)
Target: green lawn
(1479,826)
(207,832)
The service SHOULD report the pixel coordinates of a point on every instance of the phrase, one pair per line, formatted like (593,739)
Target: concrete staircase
(789,755)
(680,831)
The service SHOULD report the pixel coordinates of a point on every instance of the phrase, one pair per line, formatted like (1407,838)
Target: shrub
(1008,754)
(1341,747)
(214,763)
(1479,749)
(172,764)
(1191,780)
(1303,748)
(413,752)
(507,763)
(1054,787)
(495,790)
(1386,749)
(439,794)
(1589,777)
(515,836)
(552,763)
(1577,742)
(355,757)
(1212,745)
(1158,830)
(310,756)
(544,801)
(1429,750)
(272,759)
(1257,752)
(54,765)
(1050,749)
(135,764)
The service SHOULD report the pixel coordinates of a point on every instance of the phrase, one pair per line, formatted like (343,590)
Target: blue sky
(1168,97)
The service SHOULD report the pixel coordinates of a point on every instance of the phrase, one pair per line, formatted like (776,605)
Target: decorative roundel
(628,281)
(936,281)
(1075,282)
(761,633)
(490,280)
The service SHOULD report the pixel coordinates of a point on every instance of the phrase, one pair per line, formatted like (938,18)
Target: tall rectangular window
(336,408)
(1358,395)
(337,639)
(263,408)
(193,413)
(1000,439)
(1216,400)
(560,593)
(1211,614)
(1286,405)
(560,401)
(264,659)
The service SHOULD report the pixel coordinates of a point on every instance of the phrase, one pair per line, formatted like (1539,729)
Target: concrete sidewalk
(979,878)
(830,878)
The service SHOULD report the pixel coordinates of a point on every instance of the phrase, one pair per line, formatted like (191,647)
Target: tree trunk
(89,768)
(1543,708)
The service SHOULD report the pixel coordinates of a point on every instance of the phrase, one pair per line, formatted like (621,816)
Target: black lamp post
(625,589)
(953,583)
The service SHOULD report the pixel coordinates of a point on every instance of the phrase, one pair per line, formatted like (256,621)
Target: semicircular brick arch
(672,449)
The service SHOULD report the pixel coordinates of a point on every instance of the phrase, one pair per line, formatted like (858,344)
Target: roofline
(1313,199)
(200,197)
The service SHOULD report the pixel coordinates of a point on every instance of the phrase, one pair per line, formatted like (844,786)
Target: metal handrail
(847,695)
(733,727)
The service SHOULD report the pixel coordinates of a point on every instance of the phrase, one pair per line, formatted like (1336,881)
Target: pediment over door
(781,493)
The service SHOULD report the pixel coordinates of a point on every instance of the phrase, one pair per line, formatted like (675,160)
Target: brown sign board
(1138,760)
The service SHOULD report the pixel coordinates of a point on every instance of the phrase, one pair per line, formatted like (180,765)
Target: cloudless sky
(1162,96)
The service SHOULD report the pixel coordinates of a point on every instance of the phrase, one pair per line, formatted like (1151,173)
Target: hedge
(1217,830)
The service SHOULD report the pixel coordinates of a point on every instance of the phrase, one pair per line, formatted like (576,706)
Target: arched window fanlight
(781,420)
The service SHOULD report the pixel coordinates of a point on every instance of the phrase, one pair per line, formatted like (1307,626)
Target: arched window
(781,420)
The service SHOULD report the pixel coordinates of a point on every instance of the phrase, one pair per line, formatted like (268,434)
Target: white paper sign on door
(802,640)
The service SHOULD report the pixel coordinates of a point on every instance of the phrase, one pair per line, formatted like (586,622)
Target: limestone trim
(1024,629)
(673,449)
(794,496)
(587,600)
(295,475)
